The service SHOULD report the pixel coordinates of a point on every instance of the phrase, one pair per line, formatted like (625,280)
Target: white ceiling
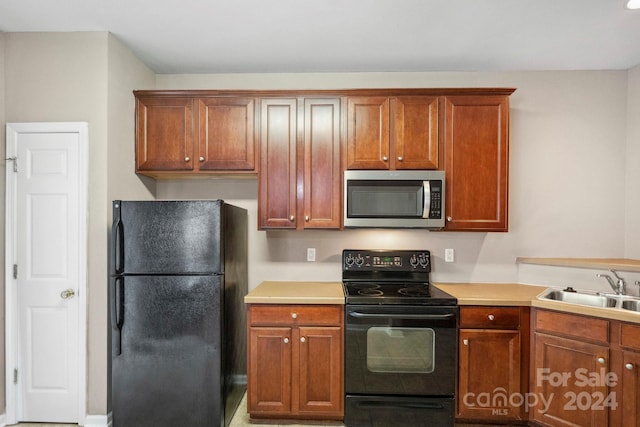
(246,36)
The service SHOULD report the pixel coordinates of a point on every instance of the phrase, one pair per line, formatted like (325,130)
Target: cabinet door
(630,398)
(164,134)
(476,161)
(269,370)
(321,165)
(368,132)
(320,388)
(489,366)
(226,134)
(277,180)
(415,142)
(561,366)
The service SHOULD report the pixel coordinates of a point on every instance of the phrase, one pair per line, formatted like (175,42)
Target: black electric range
(390,277)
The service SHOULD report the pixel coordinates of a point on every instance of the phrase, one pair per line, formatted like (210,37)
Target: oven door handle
(407,405)
(360,315)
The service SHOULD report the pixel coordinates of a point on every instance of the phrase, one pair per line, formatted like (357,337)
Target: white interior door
(46,192)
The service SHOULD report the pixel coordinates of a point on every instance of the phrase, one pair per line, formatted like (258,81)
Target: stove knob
(349,260)
(424,260)
(413,261)
(359,260)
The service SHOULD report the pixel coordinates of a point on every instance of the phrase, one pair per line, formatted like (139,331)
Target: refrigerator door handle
(118,247)
(118,311)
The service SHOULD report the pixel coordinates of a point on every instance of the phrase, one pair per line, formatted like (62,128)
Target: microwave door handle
(426,199)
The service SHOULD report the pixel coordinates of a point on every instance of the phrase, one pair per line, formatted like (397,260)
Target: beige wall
(570,135)
(632,197)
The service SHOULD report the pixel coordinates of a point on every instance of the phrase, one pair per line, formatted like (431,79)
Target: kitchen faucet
(619,286)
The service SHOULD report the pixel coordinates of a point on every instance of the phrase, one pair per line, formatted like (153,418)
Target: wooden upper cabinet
(476,161)
(392,132)
(226,134)
(415,142)
(368,132)
(164,134)
(277,206)
(300,173)
(321,201)
(195,135)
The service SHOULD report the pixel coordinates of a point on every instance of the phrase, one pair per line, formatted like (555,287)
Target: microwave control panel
(435,211)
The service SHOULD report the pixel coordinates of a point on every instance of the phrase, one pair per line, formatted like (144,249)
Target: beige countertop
(495,294)
(492,293)
(276,292)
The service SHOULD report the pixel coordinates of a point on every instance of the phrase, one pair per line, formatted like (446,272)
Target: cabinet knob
(385,158)
(400,158)
(465,341)
(601,360)
(187,159)
(294,315)
(306,218)
(291,218)
(449,219)
(286,340)
(201,159)
(491,317)
(629,366)
(302,339)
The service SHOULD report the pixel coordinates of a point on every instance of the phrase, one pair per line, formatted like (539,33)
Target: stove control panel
(373,260)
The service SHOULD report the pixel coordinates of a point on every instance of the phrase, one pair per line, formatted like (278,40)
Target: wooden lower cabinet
(295,362)
(625,360)
(493,360)
(572,361)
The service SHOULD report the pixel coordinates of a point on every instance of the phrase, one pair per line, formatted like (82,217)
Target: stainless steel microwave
(394,199)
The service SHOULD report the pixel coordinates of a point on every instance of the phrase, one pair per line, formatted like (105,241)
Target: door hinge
(14,159)
(15,376)
(15,271)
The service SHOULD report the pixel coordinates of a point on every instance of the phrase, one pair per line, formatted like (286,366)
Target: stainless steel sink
(591,299)
(581,298)
(631,304)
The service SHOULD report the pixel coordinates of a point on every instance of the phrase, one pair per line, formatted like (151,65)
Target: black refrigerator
(178,276)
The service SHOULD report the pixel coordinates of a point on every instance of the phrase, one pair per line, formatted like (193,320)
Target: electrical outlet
(449,255)
(311,254)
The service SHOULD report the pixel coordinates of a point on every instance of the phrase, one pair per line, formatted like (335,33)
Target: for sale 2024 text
(580,400)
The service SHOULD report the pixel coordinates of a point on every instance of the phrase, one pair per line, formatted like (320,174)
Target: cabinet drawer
(266,314)
(490,317)
(572,325)
(630,336)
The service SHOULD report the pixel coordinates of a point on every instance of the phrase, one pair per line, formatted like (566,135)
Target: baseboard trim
(98,421)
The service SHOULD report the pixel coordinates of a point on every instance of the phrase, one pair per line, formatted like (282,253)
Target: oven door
(401,350)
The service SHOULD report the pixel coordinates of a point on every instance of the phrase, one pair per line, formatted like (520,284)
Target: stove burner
(366,286)
(371,292)
(415,291)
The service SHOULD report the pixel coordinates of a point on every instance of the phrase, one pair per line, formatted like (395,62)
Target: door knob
(67,293)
